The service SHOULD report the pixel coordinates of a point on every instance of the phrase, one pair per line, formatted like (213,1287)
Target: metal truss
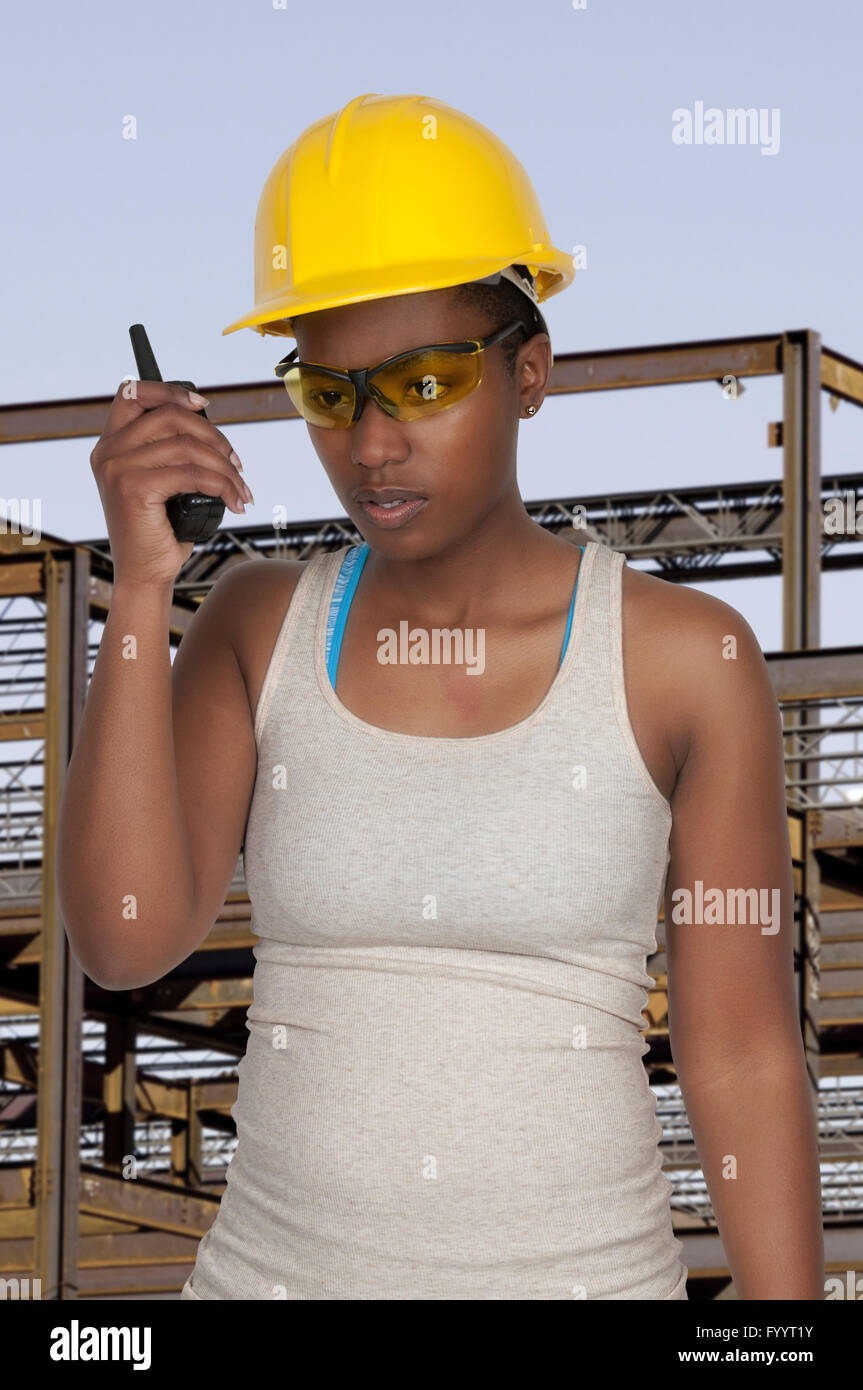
(684,535)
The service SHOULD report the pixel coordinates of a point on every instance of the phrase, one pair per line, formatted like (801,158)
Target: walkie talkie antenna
(145,358)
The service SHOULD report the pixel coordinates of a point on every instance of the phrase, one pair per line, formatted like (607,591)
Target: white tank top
(443,1093)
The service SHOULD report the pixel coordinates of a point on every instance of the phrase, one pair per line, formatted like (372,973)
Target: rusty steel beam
(801,488)
(119,1089)
(187,1140)
(61,983)
(20,577)
(801,629)
(108,1249)
(18,728)
(140,1201)
(816,675)
(659,364)
(181,993)
(192,1035)
(666,364)
(83,417)
(841,376)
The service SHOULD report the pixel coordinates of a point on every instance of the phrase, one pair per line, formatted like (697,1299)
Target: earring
(531,410)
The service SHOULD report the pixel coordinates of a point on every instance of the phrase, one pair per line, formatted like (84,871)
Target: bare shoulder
(692,663)
(252,599)
(670,617)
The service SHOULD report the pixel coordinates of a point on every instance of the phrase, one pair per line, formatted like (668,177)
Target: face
(462,459)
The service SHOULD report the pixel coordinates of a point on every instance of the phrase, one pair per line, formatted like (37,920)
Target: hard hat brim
(554,271)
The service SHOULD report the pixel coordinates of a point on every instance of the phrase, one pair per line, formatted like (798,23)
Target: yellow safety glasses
(410,386)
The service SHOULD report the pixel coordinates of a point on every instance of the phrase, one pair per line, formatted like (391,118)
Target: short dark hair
(500,303)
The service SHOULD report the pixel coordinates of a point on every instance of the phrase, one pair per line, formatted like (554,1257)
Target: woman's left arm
(729,913)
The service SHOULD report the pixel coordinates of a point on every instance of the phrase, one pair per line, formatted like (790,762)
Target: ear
(533,368)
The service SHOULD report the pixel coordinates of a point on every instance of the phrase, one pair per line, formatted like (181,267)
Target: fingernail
(235,461)
(197,399)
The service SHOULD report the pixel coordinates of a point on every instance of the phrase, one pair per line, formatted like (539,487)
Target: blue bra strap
(343,592)
(571,607)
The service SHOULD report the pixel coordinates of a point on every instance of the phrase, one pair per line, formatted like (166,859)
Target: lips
(388,494)
(387,518)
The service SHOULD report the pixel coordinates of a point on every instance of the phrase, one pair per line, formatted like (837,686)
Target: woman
(463,759)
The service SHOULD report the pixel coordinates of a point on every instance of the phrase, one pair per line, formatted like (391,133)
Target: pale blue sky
(684,242)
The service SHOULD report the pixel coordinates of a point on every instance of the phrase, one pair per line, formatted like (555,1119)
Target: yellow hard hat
(392,195)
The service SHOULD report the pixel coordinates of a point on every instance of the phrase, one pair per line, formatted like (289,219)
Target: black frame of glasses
(358,376)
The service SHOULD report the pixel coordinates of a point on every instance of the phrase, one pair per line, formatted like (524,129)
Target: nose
(376,437)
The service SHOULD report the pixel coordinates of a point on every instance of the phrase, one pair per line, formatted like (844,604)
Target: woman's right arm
(158,785)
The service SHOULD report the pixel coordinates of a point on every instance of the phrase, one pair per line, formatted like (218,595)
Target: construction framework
(95,1083)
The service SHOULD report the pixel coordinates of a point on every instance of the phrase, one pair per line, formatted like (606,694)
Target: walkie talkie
(194,516)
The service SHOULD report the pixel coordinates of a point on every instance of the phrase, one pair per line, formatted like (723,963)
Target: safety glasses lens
(426,382)
(321,399)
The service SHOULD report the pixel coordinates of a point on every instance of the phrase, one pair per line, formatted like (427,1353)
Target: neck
(473,576)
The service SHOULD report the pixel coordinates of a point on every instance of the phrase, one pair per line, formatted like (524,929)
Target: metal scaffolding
(93,1079)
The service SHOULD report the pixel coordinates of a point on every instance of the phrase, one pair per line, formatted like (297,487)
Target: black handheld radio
(193,515)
